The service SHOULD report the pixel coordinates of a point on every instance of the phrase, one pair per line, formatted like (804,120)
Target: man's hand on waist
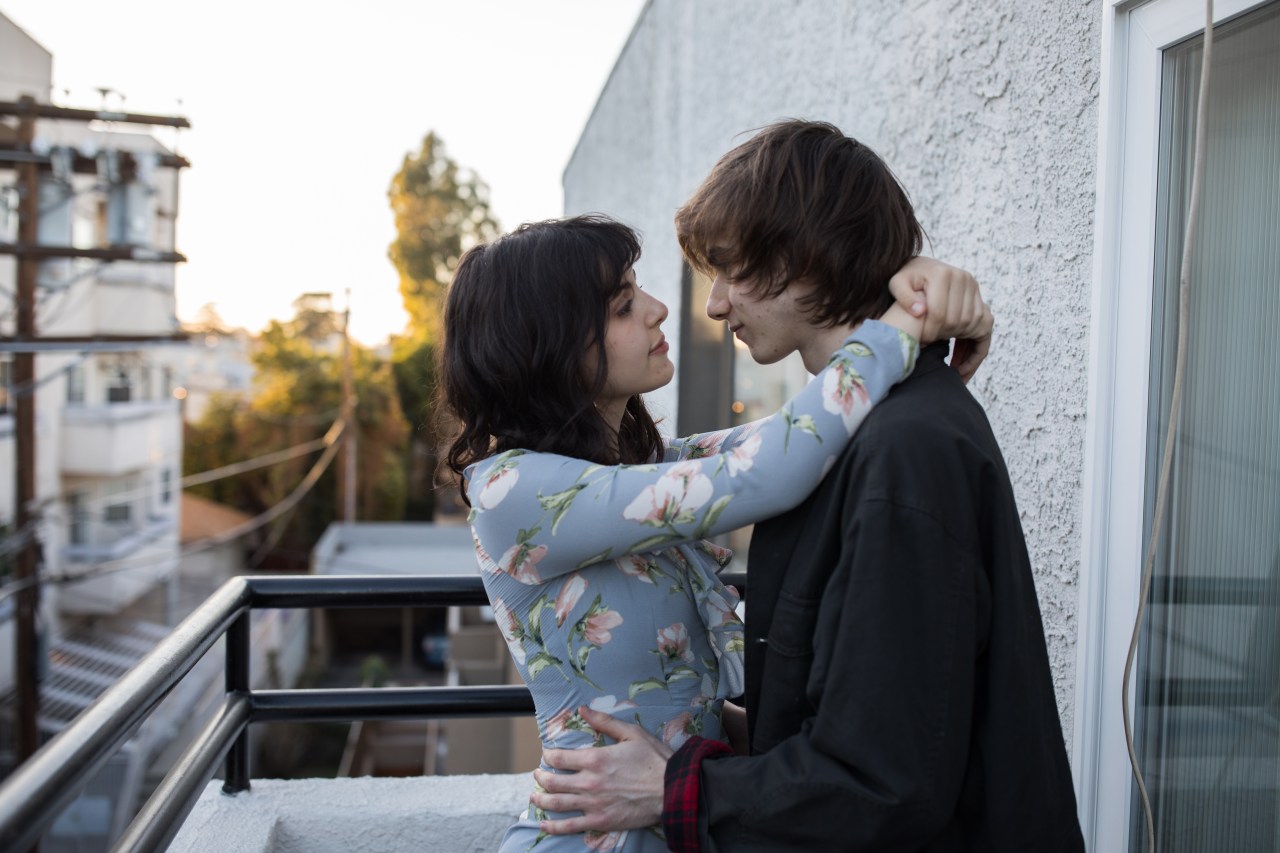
(615,787)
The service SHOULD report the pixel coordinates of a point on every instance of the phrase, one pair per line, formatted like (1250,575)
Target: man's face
(771,328)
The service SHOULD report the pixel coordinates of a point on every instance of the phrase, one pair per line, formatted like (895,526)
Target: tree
(441,210)
(298,395)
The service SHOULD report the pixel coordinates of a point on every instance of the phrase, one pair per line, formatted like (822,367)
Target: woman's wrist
(902,320)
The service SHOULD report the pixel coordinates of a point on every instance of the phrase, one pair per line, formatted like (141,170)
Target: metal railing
(37,792)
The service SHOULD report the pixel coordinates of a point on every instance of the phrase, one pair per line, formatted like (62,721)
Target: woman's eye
(625,308)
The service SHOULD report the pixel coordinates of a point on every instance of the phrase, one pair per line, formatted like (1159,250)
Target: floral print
(605,589)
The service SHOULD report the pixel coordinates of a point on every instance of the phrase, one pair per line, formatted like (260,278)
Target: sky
(301,112)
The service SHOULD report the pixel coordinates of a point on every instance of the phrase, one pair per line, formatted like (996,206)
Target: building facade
(1047,147)
(108,435)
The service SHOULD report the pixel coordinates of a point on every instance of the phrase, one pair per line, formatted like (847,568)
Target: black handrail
(37,792)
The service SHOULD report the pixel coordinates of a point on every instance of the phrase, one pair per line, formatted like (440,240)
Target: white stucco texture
(986,111)
(442,814)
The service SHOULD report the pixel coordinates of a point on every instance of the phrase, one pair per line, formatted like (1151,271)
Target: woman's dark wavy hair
(800,200)
(519,318)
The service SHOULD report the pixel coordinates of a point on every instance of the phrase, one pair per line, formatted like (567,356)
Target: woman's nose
(659,311)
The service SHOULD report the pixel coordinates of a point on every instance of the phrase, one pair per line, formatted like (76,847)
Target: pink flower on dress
(511,629)
(596,628)
(572,590)
(497,487)
(722,556)
(843,393)
(609,704)
(707,445)
(603,841)
(682,489)
(519,561)
(743,456)
(633,566)
(563,722)
(675,732)
(486,562)
(673,643)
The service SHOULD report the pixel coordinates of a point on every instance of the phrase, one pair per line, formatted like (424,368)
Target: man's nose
(718,299)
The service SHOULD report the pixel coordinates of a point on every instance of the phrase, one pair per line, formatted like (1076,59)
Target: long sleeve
(536,516)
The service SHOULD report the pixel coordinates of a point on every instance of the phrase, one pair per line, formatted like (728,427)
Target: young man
(899,695)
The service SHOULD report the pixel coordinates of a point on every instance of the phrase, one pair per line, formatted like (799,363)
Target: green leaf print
(805,423)
(540,661)
(595,558)
(558,504)
(535,617)
(859,349)
(712,514)
(653,542)
(683,672)
(909,351)
(638,687)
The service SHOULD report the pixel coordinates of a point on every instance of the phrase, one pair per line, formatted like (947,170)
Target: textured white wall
(986,111)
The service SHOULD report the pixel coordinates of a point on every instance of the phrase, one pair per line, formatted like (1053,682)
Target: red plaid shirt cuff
(680,792)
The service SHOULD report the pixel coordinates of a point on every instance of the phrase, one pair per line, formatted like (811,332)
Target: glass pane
(1208,700)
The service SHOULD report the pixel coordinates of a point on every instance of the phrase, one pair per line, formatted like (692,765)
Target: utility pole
(348,513)
(26,660)
(24,345)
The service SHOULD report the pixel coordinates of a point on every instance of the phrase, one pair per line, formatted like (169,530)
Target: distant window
(75,384)
(78,518)
(166,486)
(119,496)
(121,388)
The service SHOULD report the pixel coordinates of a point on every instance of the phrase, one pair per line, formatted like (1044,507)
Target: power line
(294,498)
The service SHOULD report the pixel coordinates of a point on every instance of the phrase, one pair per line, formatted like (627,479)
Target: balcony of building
(119,298)
(120,435)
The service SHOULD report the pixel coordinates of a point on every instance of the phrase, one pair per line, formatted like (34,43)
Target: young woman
(589,526)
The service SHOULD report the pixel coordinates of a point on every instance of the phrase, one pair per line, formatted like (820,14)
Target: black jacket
(898,686)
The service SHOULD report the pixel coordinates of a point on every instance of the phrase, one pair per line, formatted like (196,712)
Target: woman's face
(634,347)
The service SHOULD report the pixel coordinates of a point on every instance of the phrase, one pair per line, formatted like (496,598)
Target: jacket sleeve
(881,761)
(538,515)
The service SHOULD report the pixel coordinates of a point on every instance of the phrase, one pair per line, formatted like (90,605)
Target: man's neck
(823,343)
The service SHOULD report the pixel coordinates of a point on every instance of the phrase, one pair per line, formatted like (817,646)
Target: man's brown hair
(800,200)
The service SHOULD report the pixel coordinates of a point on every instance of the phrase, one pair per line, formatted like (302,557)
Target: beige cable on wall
(1175,408)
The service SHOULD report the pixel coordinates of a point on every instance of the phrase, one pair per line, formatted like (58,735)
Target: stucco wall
(988,114)
(446,814)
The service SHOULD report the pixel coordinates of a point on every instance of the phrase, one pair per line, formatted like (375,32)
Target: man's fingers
(908,291)
(609,725)
(567,826)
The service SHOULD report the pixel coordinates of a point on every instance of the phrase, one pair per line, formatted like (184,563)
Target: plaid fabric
(680,792)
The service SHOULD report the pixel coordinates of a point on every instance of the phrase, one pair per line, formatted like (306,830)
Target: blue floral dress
(602,582)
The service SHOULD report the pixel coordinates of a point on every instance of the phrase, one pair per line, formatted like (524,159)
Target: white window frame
(1134,37)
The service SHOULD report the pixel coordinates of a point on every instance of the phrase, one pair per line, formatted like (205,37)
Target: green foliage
(297,396)
(440,210)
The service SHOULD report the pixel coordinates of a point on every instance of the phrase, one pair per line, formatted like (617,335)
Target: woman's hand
(948,303)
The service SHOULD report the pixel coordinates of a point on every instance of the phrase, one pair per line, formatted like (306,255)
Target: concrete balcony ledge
(444,814)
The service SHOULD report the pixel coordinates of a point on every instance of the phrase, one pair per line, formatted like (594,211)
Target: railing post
(236,777)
